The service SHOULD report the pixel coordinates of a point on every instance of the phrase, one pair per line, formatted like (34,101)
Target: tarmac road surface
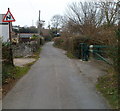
(54,82)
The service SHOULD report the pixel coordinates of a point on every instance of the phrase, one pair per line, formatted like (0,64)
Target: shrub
(6,55)
(58,41)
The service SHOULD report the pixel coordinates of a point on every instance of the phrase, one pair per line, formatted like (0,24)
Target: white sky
(26,11)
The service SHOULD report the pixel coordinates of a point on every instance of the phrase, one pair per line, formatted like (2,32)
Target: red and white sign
(8,17)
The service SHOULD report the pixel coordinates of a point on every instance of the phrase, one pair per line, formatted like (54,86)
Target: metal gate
(99,52)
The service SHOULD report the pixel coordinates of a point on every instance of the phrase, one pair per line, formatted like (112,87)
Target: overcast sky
(26,11)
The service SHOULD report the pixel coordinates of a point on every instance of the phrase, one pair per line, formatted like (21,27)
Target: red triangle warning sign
(8,17)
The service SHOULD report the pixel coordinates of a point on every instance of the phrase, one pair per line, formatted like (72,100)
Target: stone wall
(25,49)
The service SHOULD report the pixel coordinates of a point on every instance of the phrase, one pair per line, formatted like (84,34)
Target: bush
(72,44)
(58,41)
(6,55)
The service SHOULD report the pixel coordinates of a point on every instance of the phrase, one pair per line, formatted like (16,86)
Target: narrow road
(54,83)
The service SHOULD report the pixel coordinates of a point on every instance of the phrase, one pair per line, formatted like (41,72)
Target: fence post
(84,51)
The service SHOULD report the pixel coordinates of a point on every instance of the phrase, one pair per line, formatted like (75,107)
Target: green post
(84,51)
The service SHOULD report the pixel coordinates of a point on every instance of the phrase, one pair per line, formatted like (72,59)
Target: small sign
(8,17)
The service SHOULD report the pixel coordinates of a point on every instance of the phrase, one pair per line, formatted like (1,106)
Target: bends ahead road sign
(8,17)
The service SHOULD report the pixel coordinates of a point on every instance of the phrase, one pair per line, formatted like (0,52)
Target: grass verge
(108,86)
(70,55)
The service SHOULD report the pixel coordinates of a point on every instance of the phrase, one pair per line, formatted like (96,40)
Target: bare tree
(84,17)
(110,9)
(87,12)
(56,21)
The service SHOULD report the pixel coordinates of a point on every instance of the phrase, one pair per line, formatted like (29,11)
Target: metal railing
(99,52)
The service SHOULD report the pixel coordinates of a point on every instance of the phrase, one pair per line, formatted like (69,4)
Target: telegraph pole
(39,27)
(40,22)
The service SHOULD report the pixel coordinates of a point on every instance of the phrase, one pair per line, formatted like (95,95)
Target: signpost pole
(9,18)
(9,32)
(11,52)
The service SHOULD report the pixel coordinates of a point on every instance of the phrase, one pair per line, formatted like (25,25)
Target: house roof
(26,35)
(45,31)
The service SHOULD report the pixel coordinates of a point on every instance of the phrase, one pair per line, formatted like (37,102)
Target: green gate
(99,52)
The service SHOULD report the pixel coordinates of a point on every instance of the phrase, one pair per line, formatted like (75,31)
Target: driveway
(56,82)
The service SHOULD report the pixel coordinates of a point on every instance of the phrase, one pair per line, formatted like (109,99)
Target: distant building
(4,29)
(25,37)
(45,32)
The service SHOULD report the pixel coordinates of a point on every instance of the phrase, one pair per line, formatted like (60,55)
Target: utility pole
(39,25)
